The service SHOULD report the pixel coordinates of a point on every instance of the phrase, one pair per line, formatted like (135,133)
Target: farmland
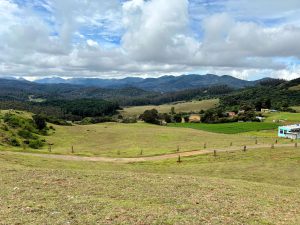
(286,117)
(193,106)
(254,187)
(134,140)
(228,128)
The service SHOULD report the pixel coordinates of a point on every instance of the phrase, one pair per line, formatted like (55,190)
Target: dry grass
(193,106)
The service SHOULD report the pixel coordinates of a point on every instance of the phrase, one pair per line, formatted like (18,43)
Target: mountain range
(161,84)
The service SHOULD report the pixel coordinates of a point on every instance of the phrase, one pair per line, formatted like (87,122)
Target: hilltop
(161,84)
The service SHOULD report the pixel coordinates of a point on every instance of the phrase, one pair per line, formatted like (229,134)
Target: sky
(149,38)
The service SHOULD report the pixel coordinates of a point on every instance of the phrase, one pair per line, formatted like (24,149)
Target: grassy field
(297,108)
(228,128)
(284,116)
(253,187)
(193,106)
(128,140)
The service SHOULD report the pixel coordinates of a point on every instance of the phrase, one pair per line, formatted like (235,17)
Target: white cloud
(139,37)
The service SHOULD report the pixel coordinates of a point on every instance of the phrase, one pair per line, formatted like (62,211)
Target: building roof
(295,127)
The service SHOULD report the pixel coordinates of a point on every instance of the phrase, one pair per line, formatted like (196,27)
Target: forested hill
(275,94)
(21,90)
(161,84)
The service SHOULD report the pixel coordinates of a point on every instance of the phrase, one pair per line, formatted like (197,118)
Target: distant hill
(161,84)
(20,90)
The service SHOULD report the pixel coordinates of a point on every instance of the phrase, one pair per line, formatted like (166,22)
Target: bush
(40,122)
(150,116)
(177,118)
(129,120)
(12,120)
(36,144)
(14,142)
(26,134)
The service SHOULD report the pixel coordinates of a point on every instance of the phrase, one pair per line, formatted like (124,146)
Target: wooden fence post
(215,153)
(245,148)
(179,159)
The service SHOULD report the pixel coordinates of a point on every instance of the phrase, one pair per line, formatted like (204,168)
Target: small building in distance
(231,114)
(194,118)
(290,131)
(265,110)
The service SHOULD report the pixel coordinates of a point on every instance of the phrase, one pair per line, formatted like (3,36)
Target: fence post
(179,159)
(245,148)
(178,148)
(72,149)
(215,153)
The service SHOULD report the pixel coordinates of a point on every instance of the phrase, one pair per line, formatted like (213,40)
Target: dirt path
(144,159)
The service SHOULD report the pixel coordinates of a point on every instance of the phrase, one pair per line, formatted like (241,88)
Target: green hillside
(22,130)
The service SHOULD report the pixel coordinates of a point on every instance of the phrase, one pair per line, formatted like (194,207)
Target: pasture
(193,106)
(286,117)
(228,128)
(141,139)
(254,187)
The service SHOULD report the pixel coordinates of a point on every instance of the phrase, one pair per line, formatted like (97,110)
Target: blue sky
(114,38)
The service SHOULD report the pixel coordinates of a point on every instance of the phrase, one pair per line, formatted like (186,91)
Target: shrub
(36,144)
(129,120)
(26,134)
(150,116)
(40,122)
(177,118)
(14,142)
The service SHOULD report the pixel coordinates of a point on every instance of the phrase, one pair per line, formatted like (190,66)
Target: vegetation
(284,117)
(275,94)
(228,128)
(253,187)
(150,116)
(19,130)
(128,140)
(179,107)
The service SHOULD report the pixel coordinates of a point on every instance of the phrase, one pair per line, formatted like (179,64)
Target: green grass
(228,128)
(253,187)
(127,140)
(284,116)
(193,106)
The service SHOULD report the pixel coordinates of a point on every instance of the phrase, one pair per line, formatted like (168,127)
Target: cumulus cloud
(110,38)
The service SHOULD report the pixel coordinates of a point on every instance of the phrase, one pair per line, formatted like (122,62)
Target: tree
(173,110)
(150,116)
(39,121)
(177,118)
